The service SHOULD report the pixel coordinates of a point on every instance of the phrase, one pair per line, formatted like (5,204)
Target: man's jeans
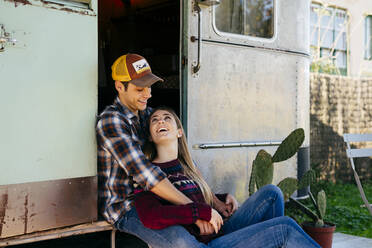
(259,222)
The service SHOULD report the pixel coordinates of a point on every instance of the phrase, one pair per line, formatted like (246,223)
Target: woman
(259,222)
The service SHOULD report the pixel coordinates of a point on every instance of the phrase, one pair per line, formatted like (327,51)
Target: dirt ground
(94,240)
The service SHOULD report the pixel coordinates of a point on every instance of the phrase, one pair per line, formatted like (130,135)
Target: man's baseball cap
(133,68)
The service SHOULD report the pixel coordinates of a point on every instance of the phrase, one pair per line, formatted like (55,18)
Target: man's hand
(226,208)
(221,207)
(231,203)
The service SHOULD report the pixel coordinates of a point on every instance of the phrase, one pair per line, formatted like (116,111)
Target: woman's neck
(166,152)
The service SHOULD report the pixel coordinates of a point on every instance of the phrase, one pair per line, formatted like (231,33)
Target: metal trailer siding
(247,90)
(48,95)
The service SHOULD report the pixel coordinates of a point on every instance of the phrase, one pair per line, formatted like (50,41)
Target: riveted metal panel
(247,91)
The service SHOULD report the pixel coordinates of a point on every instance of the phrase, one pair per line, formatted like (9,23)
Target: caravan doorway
(149,28)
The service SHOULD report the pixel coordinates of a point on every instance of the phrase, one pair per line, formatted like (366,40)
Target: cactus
(288,186)
(263,166)
(264,169)
(320,208)
(307,179)
(289,145)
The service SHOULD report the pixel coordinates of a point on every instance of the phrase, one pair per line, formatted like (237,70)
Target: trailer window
(72,3)
(246,17)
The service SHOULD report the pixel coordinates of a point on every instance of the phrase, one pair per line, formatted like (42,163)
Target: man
(121,132)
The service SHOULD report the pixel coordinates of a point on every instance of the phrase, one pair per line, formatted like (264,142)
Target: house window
(368,38)
(246,17)
(328,39)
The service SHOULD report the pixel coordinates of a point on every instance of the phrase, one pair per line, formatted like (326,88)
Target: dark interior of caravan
(147,27)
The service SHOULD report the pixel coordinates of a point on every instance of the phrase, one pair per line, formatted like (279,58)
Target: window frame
(368,44)
(84,4)
(248,37)
(314,27)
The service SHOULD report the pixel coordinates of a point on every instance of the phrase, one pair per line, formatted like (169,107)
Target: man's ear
(119,86)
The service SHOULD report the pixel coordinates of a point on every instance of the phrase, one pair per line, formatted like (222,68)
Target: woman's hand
(216,220)
(214,224)
(205,227)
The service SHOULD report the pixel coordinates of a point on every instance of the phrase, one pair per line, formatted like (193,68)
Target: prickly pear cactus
(288,186)
(252,180)
(320,207)
(263,166)
(289,146)
(308,178)
(319,223)
(264,169)
(322,203)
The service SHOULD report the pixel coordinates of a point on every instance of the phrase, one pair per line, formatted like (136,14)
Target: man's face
(135,98)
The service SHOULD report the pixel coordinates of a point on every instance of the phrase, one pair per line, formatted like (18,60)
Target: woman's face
(163,127)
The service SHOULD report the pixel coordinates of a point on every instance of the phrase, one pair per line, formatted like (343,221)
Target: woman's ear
(179,133)
(150,139)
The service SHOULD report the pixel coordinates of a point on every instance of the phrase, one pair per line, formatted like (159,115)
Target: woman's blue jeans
(259,222)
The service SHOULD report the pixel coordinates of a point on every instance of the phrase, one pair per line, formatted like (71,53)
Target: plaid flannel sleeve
(115,136)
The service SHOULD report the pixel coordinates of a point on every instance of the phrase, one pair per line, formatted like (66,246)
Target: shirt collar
(127,113)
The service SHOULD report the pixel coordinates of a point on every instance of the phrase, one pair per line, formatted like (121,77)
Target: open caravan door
(48,98)
(246,85)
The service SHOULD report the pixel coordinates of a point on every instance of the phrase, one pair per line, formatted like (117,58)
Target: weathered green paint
(48,93)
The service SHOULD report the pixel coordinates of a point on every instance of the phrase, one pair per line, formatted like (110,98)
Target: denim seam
(287,232)
(259,207)
(154,233)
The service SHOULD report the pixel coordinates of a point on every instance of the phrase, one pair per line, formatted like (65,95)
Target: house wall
(338,105)
(357,9)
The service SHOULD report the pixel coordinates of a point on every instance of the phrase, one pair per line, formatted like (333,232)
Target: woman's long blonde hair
(184,157)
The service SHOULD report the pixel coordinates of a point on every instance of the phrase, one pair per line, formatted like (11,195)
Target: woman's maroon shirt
(157,213)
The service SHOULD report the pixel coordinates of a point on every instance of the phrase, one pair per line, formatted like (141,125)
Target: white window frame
(248,37)
(333,29)
(368,37)
(85,4)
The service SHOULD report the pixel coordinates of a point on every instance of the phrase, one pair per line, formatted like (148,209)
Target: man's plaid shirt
(121,162)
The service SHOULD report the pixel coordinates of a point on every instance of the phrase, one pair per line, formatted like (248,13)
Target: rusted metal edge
(18,2)
(98,226)
(39,206)
(52,5)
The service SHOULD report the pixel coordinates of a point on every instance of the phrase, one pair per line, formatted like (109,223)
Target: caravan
(237,72)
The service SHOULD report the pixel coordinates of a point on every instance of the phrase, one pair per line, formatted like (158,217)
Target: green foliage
(322,204)
(319,205)
(343,208)
(263,166)
(308,178)
(252,180)
(289,146)
(324,66)
(264,169)
(288,186)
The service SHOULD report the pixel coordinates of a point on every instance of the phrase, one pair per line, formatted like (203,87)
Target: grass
(343,208)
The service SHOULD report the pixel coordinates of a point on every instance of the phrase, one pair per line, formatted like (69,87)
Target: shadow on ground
(94,240)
